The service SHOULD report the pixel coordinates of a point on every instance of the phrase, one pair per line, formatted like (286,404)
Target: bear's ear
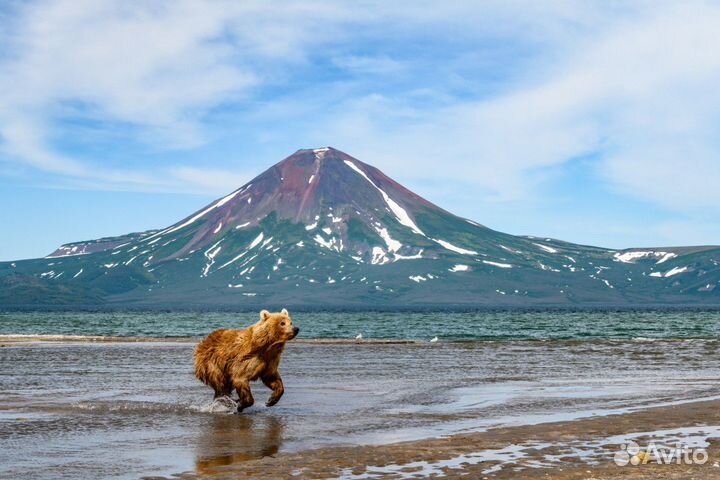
(285,312)
(264,315)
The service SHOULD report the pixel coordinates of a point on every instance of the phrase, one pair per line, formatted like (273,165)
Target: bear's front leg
(275,383)
(245,399)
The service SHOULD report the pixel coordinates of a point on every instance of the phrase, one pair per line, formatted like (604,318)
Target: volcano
(322,228)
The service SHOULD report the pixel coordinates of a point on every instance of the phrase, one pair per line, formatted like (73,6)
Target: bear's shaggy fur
(228,359)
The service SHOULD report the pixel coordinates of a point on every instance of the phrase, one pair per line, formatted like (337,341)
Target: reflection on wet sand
(582,449)
(232,439)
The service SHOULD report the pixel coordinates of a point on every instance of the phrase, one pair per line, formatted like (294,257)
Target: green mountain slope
(322,228)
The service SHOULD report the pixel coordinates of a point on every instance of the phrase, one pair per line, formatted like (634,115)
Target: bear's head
(278,326)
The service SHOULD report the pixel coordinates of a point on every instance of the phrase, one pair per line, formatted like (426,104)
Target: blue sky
(593,122)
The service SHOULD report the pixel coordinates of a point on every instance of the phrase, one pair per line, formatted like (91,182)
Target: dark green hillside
(321,228)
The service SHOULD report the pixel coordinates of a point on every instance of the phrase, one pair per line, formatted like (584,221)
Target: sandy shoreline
(579,449)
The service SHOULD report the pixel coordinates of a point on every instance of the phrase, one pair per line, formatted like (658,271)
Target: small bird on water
(434,340)
(359,336)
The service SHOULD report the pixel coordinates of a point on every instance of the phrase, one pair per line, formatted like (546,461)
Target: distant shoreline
(26,339)
(694,307)
(8,339)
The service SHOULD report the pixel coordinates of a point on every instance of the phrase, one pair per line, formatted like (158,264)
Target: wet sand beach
(496,409)
(579,449)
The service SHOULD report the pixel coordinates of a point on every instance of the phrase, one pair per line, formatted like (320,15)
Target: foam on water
(219,405)
(138,407)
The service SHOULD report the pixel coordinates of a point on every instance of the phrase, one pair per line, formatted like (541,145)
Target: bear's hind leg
(275,383)
(244,393)
(222,393)
(224,390)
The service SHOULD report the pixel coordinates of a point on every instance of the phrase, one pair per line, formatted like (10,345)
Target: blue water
(401,325)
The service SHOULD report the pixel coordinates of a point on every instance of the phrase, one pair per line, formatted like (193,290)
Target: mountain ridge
(321,227)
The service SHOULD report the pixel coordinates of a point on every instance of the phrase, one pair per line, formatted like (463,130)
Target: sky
(592,122)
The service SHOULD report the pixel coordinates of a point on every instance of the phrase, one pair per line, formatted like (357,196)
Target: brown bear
(228,359)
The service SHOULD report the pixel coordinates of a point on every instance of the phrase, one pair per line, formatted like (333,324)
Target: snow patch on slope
(453,248)
(379,256)
(497,264)
(511,250)
(313,225)
(257,240)
(399,212)
(630,257)
(69,251)
(459,268)
(210,254)
(402,216)
(331,244)
(392,244)
(546,248)
(417,256)
(252,245)
(193,219)
(667,257)
(320,152)
(671,272)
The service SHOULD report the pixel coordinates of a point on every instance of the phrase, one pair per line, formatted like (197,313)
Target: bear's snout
(296,330)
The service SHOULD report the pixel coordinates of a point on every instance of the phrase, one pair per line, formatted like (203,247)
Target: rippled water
(448,325)
(127,410)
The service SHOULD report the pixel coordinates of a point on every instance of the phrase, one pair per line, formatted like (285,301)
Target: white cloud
(633,84)
(640,93)
(211,180)
(381,65)
(158,67)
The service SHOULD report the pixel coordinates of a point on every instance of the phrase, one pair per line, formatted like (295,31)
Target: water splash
(219,405)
